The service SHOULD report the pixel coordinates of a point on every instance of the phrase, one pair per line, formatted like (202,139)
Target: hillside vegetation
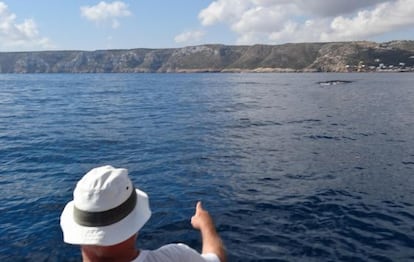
(300,57)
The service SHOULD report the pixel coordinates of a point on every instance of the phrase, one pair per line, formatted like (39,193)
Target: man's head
(106,209)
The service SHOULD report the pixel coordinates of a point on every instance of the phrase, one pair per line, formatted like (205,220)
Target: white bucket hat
(106,209)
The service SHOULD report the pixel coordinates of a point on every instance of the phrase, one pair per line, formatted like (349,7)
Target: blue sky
(92,25)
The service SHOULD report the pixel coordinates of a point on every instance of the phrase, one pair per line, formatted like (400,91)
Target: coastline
(338,57)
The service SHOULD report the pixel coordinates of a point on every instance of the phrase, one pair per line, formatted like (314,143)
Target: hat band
(108,217)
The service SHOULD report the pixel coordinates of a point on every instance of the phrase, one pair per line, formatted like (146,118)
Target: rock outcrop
(300,57)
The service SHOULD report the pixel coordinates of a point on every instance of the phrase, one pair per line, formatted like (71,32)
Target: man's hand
(211,240)
(202,219)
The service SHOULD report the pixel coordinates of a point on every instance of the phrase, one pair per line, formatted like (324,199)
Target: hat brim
(76,234)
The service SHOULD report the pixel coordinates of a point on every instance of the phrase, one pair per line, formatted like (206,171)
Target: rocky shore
(301,57)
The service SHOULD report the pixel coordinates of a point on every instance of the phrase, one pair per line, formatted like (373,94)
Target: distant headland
(362,56)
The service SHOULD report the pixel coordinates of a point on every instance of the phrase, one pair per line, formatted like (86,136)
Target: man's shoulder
(172,252)
(177,247)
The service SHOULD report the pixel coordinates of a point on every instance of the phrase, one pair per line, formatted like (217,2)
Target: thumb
(199,207)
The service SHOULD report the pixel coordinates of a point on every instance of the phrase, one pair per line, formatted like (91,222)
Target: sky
(95,25)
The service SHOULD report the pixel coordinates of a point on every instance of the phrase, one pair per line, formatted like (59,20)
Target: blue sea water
(291,170)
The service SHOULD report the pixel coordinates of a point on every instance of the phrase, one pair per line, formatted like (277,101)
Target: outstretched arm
(211,240)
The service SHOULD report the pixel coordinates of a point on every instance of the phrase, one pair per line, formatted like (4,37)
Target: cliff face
(324,57)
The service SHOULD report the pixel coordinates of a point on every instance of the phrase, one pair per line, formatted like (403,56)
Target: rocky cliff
(301,57)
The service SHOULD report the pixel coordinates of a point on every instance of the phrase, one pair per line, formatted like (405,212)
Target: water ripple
(290,171)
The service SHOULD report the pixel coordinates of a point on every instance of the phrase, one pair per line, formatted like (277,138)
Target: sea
(292,167)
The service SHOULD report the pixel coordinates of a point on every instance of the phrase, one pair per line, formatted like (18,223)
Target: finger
(199,207)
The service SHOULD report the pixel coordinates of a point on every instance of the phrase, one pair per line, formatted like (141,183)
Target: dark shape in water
(334,82)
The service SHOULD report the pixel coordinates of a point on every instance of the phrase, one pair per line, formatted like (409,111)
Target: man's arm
(211,240)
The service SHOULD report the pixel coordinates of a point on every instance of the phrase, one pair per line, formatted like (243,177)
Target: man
(107,212)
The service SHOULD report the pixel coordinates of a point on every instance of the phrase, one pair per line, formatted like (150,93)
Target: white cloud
(223,11)
(324,8)
(384,18)
(19,36)
(279,21)
(189,36)
(104,12)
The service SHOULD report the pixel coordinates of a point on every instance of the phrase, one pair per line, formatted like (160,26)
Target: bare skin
(122,252)
(211,240)
(126,251)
